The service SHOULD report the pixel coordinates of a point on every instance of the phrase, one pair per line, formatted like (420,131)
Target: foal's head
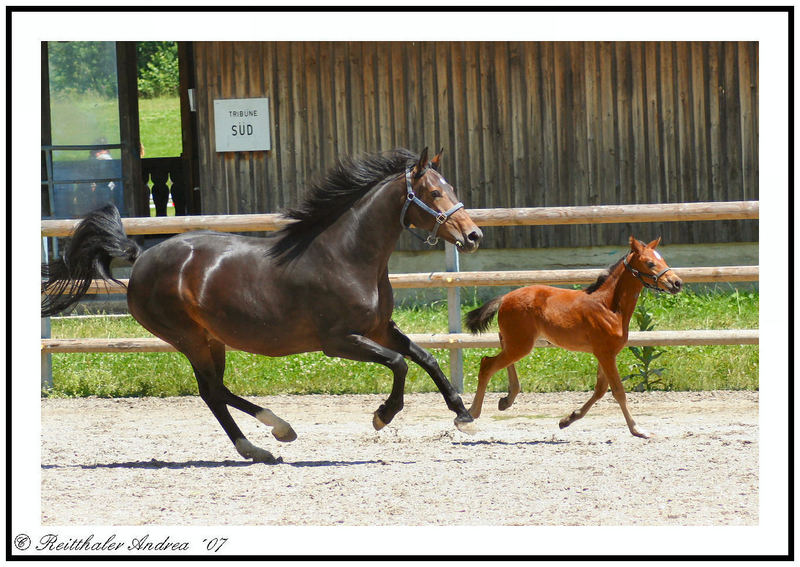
(649,266)
(430,187)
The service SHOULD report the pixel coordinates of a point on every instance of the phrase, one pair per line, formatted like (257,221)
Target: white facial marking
(442,180)
(657,254)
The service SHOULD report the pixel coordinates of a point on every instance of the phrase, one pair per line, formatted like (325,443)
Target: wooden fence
(453,279)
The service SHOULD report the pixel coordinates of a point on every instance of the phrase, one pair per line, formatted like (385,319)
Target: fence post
(47,362)
(454,319)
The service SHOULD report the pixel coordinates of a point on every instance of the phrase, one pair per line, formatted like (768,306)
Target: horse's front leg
(402,344)
(362,349)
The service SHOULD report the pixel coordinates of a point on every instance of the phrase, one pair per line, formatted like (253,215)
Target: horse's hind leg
(600,389)
(207,358)
(281,429)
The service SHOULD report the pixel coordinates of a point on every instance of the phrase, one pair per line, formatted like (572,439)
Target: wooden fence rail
(453,279)
(518,277)
(730,210)
(434,340)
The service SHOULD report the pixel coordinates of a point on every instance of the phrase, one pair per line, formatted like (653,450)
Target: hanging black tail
(97,239)
(477,320)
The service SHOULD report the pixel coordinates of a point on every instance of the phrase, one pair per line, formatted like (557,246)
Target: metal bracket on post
(454,319)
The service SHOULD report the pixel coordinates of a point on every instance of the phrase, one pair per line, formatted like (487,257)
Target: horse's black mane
(603,277)
(329,197)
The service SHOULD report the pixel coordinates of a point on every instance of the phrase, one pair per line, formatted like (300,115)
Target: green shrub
(159,77)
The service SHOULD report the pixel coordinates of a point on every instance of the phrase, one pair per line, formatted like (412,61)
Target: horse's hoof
(377,422)
(503,404)
(564,423)
(642,434)
(259,455)
(468,427)
(267,459)
(285,435)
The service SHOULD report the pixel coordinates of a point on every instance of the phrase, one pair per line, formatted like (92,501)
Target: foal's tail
(477,321)
(97,239)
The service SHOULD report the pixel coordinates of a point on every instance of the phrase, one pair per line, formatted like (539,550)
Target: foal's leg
(609,365)
(513,389)
(600,389)
(362,349)
(405,346)
(514,348)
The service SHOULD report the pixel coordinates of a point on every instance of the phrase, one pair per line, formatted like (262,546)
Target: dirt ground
(167,462)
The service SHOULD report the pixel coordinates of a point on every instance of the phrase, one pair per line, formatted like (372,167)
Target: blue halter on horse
(439,216)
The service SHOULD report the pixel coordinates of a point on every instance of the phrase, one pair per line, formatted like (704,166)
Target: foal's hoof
(565,421)
(377,422)
(285,435)
(504,404)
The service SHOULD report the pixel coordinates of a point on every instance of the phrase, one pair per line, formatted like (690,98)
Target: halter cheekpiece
(640,276)
(441,217)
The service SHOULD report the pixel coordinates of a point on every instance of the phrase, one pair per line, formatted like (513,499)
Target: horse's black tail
(97,239)
(477,320)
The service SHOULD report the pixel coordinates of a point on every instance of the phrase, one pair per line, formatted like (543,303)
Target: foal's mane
(328,198)
(603,277)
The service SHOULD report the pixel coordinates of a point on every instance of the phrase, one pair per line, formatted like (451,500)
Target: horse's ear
(437,159)
(654,243)
(636,245)
(423,160)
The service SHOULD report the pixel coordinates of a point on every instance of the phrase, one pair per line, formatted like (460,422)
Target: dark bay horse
(319,284)
(593,320)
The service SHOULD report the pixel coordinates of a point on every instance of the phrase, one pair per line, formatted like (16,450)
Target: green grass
(160,126)
(544,370)
(84,119)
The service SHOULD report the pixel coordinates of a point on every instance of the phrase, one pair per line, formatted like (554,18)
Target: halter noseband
(640,276)
(441,217)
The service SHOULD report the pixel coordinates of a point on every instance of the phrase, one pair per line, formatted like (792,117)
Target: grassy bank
(544,370)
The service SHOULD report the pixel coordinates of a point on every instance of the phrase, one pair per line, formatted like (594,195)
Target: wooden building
(522,125)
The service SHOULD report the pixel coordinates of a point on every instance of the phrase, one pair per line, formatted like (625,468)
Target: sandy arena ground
(167,462)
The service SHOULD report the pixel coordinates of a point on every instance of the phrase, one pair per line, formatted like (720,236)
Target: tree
(158,68)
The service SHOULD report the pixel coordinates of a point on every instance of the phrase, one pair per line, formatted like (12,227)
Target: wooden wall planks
(522,124)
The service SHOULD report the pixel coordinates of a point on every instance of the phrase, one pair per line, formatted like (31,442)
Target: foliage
(83,67)
(544,370)
(158,69)
(645,376)
(90,68)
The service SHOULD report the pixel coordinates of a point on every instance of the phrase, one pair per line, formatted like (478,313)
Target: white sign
(241,124)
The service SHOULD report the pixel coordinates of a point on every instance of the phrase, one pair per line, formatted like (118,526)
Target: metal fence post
(454,319)
(47,362)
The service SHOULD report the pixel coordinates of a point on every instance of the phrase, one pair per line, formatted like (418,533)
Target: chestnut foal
(592,320)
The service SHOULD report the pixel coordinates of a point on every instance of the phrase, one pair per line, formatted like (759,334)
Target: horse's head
(436,207)
(649,266)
